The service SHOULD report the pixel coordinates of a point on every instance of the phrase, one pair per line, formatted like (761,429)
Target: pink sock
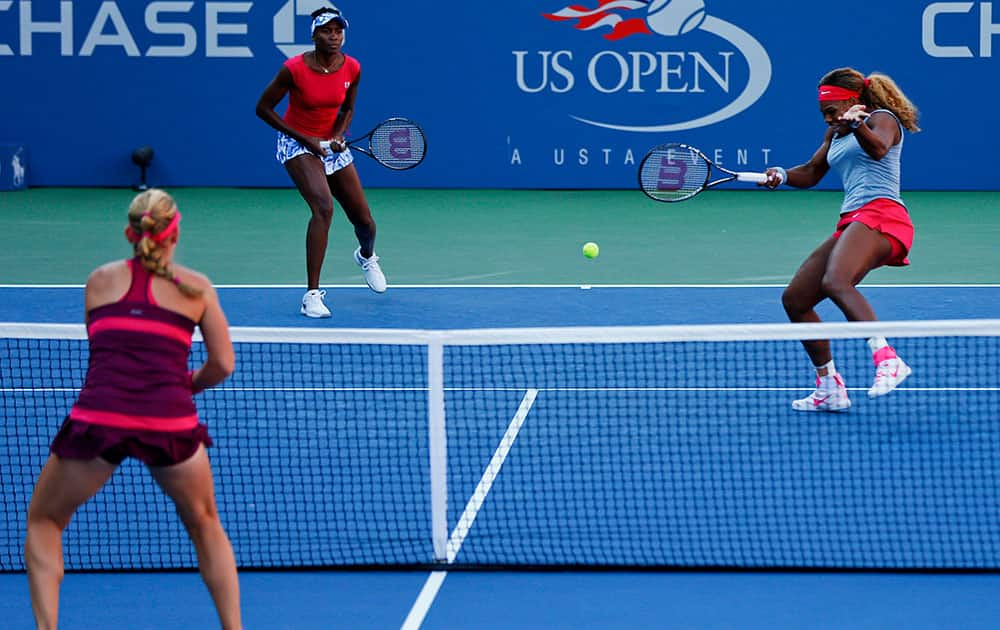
(883,354)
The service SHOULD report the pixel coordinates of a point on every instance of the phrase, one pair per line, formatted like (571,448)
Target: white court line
(708,389)
(42,390)
(539,286)
(424,600)
(434,581)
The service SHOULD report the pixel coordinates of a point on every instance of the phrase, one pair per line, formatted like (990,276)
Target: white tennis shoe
(373,273)
(825,398)
(888,375)
(312,304)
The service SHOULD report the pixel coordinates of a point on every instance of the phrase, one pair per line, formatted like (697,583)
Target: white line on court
(424,600)
(434,581)
(42,390)
(540,286)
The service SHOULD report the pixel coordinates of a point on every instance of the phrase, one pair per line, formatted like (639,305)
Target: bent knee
(321,208)
(38,517)
(200,518)
(793,301)
(834,285)
(323,214)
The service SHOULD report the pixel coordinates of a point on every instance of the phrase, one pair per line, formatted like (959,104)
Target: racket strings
(673,173)
(398,144)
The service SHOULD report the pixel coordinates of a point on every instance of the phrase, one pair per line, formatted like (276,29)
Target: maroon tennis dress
(137,399)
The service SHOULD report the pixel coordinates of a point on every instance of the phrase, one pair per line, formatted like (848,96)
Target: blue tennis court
(518,434)
(742,481)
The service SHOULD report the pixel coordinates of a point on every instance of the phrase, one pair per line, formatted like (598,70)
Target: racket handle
(326,144)
(756,178)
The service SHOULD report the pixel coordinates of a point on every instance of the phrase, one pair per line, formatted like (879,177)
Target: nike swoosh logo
(819,401)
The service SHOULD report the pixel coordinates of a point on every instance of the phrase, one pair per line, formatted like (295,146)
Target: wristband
(783,173)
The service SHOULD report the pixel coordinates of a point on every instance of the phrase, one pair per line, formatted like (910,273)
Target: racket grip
(756,178)
(326,144)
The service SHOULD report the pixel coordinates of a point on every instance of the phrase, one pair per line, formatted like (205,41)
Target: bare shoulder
(882,114)
(107,284)
(108,273)
(192,277)
(882,117)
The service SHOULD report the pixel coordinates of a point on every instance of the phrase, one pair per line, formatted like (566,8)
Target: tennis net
(669,446)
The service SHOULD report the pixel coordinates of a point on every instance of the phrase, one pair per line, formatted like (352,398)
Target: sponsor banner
(541,94)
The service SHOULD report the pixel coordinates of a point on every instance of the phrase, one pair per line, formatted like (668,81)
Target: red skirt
(85,440)
(891,219)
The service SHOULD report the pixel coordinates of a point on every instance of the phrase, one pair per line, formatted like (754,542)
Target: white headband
(324,18)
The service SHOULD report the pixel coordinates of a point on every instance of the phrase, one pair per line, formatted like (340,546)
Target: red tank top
(137,375)
(315,98)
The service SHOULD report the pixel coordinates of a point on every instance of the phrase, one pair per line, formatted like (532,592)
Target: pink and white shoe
(830,395)
(890,371)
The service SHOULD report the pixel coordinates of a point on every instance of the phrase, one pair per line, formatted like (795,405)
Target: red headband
(134,237)
(835,93)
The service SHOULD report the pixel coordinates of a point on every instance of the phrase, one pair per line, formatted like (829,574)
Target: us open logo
(650,67)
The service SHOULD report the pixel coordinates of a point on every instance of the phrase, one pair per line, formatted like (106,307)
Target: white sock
(831,369)
(828,382)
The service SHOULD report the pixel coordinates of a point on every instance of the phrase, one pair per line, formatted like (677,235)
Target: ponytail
(153,217)
(877,91)
(883,93)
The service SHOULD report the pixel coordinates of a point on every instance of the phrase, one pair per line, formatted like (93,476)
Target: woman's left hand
(856,114)
(338,144)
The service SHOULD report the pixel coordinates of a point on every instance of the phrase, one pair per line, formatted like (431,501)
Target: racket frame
(364,143)
(741,176)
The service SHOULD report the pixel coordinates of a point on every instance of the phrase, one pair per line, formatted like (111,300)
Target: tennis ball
(675,17)
(591,250)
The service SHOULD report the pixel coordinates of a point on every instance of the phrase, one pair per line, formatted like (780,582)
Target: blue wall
(503,92)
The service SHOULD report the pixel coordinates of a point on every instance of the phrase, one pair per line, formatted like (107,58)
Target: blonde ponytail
(152,218)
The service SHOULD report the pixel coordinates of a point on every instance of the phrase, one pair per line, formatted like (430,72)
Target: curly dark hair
(877,91)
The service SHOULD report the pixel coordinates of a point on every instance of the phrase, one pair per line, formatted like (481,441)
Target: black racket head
(673,172)
(398,143)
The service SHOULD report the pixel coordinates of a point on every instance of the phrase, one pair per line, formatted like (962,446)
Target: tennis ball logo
(675,17)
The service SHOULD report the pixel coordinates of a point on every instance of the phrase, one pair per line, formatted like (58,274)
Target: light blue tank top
(866,179)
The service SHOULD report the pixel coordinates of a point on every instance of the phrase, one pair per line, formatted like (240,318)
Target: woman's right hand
(774,178)
(315,146)
(220,360)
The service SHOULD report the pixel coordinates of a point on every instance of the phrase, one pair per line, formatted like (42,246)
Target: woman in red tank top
(137,402)
(321,86)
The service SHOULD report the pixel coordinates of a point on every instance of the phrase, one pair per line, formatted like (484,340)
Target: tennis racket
(676,172)
(396,143)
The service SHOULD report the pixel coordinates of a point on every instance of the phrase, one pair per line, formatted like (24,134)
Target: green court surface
(496,237)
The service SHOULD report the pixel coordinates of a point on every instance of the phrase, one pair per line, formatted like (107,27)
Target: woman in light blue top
(866,118)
